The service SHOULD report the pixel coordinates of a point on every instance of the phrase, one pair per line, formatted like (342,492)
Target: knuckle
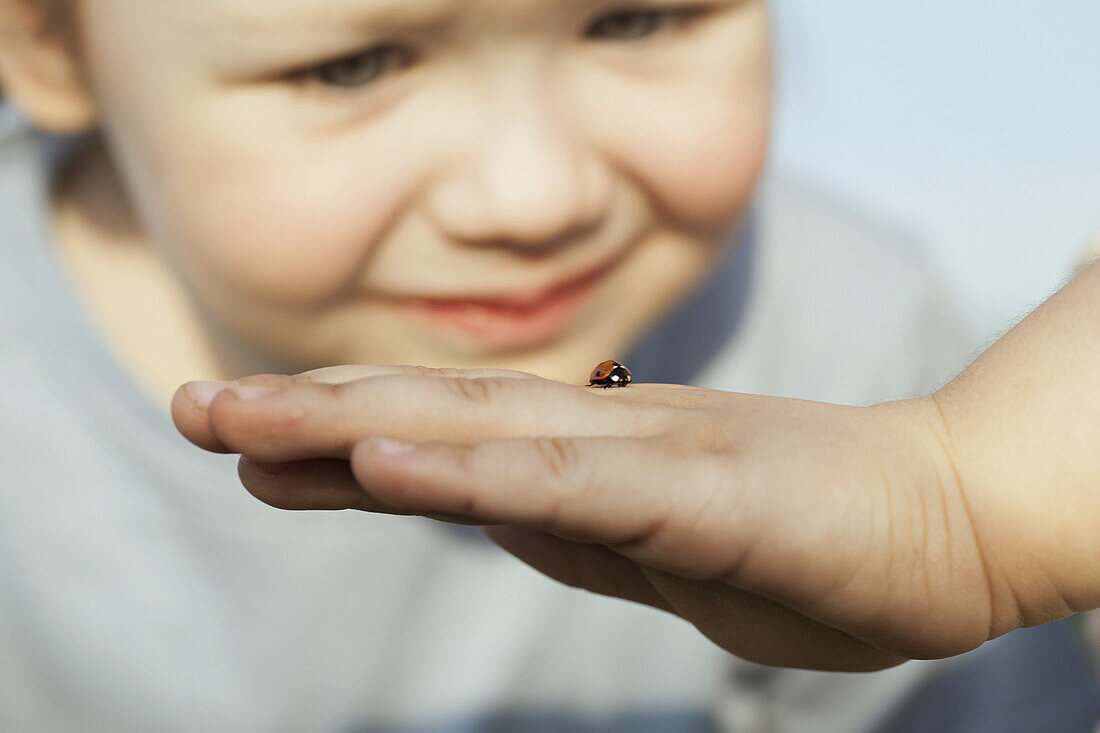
(342,392)
(559,456)
(714,440)
(476,390)
(452,372)
(417,370)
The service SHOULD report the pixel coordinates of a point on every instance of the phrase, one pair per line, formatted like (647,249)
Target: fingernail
(202,393)
(249,393)
(388,446)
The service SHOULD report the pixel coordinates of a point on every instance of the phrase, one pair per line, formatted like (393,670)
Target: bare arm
(1023,425)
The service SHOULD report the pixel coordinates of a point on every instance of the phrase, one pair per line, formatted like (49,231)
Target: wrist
(1038,548)
(973,516)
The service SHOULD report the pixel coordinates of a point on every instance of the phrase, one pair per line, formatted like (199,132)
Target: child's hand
(789,532)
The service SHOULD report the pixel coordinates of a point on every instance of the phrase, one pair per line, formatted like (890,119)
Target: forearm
(1022,424)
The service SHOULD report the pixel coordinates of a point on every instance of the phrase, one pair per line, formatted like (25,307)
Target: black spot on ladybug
(609,374)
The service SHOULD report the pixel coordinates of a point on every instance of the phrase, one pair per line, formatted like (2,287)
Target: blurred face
(519,183)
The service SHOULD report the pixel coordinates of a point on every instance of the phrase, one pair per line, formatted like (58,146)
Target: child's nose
(528,182)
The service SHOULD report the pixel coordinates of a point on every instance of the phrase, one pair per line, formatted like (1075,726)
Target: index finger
(190,403)
(324,421)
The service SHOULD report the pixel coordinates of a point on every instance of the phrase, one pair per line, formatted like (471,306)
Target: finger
(581,565)
(325,420)
(317,484)
(761,630)
(320,484)
(344,373)
(744,624)
(647,498)
(193,422)
(191,402)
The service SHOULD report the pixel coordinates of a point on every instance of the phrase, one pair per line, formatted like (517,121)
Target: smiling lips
(510,323)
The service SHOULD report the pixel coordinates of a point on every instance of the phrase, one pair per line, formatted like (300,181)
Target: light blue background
(973,124)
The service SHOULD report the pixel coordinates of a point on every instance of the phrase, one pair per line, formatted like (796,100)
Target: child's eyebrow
(263,16)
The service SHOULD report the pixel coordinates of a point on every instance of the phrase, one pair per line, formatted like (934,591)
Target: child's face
(461,149)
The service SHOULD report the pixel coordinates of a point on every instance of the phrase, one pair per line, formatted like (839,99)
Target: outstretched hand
(788,532)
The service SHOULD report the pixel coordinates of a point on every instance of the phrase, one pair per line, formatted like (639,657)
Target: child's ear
(40,67)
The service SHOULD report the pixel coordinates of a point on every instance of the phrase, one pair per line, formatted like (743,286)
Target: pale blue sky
(975,124)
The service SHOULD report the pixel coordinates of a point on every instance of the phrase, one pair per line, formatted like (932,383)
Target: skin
(268,212)
(789,532)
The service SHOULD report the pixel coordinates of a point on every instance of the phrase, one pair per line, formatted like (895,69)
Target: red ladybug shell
(603,371)
(609,374)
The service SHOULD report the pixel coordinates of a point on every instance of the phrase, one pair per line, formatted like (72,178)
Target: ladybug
(609,374)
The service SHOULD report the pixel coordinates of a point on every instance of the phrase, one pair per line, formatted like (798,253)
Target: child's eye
(630,24)
(361,68)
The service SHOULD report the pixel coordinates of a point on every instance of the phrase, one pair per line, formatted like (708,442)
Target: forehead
(236,28)
(260,15)
(235,16)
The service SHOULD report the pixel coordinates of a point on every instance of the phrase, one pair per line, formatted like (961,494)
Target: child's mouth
(504,325)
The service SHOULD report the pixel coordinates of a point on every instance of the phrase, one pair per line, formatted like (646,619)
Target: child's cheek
(697,141)
(702,154)
(285,231)
(705,172)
